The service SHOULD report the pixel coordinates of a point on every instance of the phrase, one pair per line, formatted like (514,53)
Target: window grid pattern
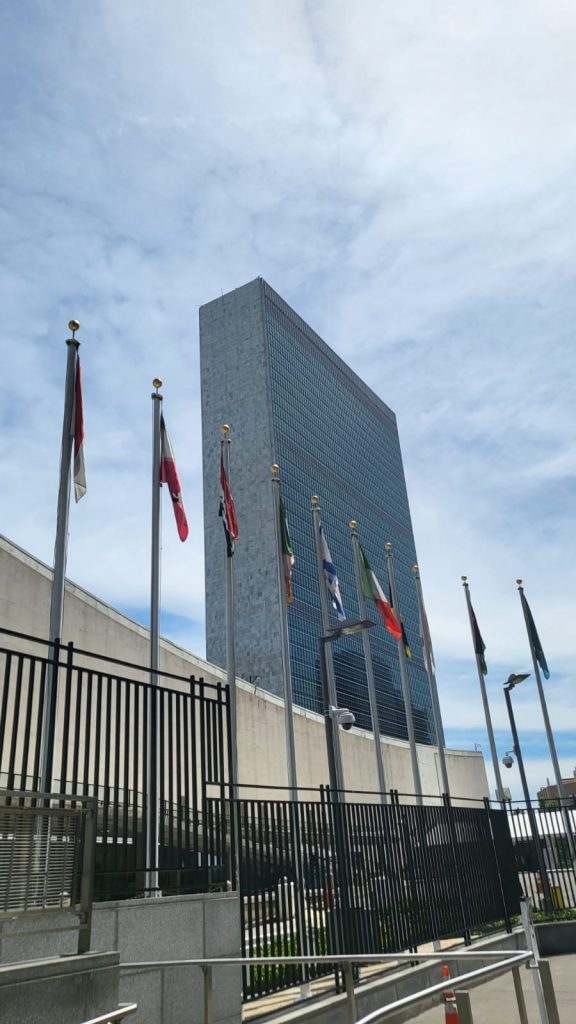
(332,440)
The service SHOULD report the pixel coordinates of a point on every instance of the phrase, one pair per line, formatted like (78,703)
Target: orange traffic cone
(451,1014)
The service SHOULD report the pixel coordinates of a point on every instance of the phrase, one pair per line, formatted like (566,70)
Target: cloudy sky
(405,179)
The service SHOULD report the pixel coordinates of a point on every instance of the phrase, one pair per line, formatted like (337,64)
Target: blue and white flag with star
(331,578)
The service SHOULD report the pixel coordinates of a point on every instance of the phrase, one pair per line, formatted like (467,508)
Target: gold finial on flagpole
(275,468)
(156,383)
(74,326)
(225,428)
(352,524)
(388,546)
(519,582)
(314,500)
(464,579)
(415,568)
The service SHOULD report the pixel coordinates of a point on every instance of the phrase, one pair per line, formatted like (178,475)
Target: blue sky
(404,178)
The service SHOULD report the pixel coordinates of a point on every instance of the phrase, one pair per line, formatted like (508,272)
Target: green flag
(479,645)
(287,553)
(535,640)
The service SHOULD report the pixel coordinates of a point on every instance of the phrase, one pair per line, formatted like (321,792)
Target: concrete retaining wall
(168,928)
(63,990)
(556,938)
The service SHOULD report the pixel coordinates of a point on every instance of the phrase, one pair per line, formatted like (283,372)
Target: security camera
(343,717)
(507,760)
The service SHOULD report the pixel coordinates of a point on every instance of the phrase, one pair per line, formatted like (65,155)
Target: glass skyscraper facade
(332,437)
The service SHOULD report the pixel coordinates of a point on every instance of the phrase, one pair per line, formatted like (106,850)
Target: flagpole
(286,671)
(487,715)
(404,678)
(225,443)
(59,574)
(153,795)
(549,734)
(436,712)
(369,667)
(327,665)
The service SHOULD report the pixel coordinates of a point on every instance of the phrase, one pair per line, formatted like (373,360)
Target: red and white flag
(227,511)
(79,467)
(169,475)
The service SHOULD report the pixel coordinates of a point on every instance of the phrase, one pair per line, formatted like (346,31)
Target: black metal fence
(101,748)
(325,877)
(555,832)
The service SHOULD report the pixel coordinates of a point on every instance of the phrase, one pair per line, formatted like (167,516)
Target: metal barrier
(327,877)
(122,1011)
(100,746)
(47,845)
(503,961)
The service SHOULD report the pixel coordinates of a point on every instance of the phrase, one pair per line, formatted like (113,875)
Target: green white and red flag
(372,589)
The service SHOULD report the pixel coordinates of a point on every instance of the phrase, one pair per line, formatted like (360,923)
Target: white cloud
(404,177)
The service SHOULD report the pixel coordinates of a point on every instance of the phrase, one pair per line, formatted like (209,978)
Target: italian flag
(287,553)
(372,589)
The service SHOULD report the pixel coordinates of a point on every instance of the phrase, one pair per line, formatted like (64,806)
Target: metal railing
(329,878)
(47,847)
(120,1013)
(551,824)
(500,961)
(503,961)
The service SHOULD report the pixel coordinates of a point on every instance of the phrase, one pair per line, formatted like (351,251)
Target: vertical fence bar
(27,724)
(78,693)
(458,868)
(38,738)
(66,713)
(15,725)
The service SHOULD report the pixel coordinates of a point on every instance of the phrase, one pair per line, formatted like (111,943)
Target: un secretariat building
(289,399)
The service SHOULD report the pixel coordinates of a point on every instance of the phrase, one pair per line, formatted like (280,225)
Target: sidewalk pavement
(495,1001)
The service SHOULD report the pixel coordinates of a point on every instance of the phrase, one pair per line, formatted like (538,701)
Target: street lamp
(509,685)
(333,716)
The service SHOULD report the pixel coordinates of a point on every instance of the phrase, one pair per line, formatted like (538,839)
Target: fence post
(207,972)
(350,993)
(87,879)
(488,810)
(522,1012)
(549,993)
(532,945)
(457,866)
(464,1008)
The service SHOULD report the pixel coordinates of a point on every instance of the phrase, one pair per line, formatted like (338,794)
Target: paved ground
(495,1002)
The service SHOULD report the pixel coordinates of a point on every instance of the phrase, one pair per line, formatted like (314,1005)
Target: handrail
(503,960)
(329,958)
(123,1010)
(448,983)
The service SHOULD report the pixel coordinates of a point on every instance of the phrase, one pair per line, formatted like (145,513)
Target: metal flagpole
(429,658)
(230,647)
(289,727)
(405,684)
(369,668)
(326,660)
(59,575)
(549,734)
(153,795)
(487,716)
(286,672)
